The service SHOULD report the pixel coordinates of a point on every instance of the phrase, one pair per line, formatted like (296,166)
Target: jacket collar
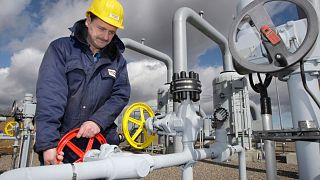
(112,50)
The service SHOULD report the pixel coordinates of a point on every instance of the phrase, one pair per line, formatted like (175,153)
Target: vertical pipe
(279,105)
(187,173)
(303,108)
(269,147)
(242,161)
(15,153)
(26,140)
(181,17)
(179,64)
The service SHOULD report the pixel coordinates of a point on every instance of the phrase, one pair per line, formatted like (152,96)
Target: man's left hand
(88,129)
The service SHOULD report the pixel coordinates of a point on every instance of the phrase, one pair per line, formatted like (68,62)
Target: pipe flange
(182,86)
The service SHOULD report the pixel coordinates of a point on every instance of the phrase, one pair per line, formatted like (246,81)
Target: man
(82,83)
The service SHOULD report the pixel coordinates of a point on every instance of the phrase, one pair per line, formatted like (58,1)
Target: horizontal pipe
(3,119)
(6,137)
(177,159)
(115,167)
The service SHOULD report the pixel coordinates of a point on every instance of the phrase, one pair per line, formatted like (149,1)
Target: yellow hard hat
(110,11)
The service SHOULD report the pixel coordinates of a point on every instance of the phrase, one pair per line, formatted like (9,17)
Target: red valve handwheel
(66,141)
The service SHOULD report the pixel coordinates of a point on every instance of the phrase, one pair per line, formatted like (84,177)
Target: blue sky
(211,57)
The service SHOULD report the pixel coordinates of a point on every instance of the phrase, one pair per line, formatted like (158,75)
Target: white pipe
(181,17)
(6,137)
(177,159)
(143,49)
(115,167)
(242,161)
(3,119)
(187,173)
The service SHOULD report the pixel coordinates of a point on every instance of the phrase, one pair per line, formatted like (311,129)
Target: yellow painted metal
(133,125)
(10,128)
(109,11)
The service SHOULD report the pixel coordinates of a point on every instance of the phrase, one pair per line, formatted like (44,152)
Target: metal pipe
(148,51)
(187,173)
(26,141)
(206,123)
(303,108)
(124,165)
(117,166)
(135,166)
(5,137)
(2,119)
(242,161)
(279,104)
(181,17)
(269,147)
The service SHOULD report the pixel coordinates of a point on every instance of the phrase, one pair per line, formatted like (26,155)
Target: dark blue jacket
(72,88)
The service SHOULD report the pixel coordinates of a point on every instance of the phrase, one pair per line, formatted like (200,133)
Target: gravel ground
(205,169)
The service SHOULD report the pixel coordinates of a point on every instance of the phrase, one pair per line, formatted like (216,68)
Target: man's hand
(88,129)
(51,157)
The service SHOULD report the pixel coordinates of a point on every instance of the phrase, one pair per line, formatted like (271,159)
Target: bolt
(201,13)
(278,56)
(143,40)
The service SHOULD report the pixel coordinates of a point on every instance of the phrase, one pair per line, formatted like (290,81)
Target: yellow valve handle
(135,117)
(9,128)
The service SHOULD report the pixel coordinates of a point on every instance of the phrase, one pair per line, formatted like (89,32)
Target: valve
(279,56)
(67,139)
(10,128)
(134,127)
(182,86)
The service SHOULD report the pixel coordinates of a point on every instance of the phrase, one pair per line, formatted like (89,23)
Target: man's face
(99,33)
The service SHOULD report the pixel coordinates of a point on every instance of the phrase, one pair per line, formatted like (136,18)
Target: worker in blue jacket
(83,82)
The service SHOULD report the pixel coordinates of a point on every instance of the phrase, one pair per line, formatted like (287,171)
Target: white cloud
(21,77)
(58,18)
(146,77)
(11,12)
(3,72)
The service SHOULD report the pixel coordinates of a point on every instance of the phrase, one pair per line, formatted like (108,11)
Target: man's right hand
(51,157)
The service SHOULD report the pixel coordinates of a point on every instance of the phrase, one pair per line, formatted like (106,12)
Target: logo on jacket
(112,72)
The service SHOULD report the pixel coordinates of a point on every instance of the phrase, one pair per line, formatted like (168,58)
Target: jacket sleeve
(106,114)
(51,92)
